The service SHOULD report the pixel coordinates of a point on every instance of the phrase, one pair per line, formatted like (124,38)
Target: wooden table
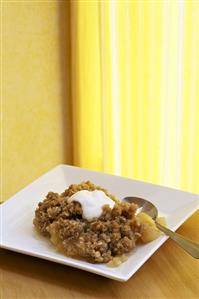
(169,273)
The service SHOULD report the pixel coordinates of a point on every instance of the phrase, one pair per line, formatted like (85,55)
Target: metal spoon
(147,207)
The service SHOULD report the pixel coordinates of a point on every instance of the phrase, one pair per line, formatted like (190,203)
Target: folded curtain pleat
(135,79)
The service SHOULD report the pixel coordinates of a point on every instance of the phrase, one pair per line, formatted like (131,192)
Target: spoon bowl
(144,206)
(150,209)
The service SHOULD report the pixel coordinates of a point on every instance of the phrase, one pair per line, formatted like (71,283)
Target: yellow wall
(35,90)
(141,100)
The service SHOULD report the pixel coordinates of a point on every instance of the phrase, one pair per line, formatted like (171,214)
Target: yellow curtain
(135,74)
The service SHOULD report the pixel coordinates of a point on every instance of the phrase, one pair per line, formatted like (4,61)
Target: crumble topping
(99,240)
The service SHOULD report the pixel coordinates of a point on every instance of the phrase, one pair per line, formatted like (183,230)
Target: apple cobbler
(98,234)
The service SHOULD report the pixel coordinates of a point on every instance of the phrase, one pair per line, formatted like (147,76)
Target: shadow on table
(57,275)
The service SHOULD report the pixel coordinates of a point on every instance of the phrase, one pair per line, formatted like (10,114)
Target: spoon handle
(189,246)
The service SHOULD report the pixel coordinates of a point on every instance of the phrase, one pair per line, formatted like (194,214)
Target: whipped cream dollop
(92,202)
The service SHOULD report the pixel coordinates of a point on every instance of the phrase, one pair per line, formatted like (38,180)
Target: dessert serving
(87,222)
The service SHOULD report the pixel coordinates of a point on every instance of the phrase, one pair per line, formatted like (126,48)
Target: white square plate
(17,215)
